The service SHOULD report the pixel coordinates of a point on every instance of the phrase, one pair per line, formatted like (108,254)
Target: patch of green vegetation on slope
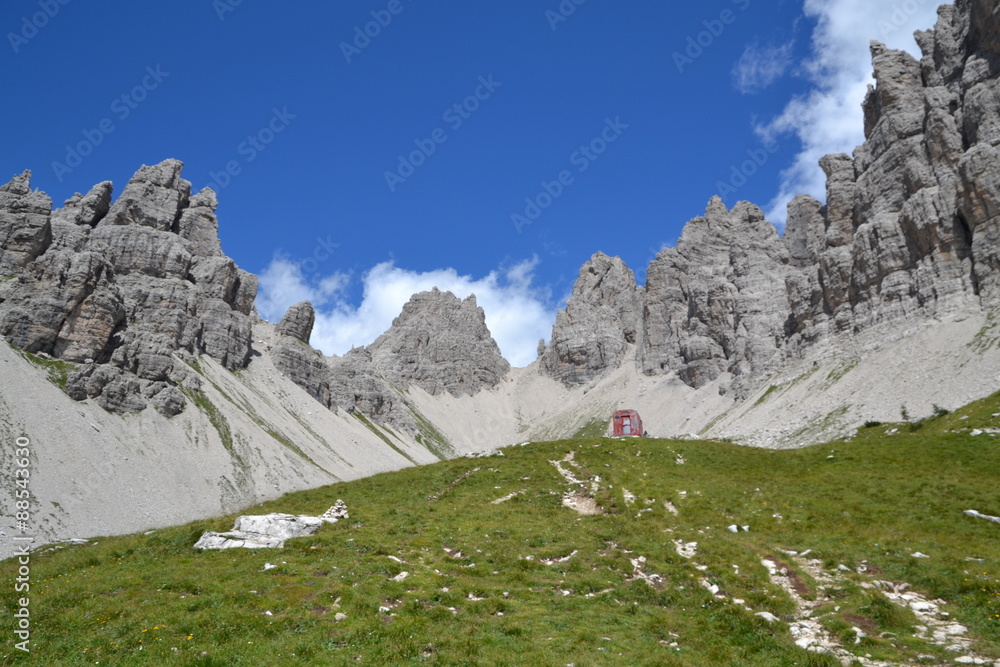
(838,373)
(58,370)
(763,397)
(528,581)
(821,424)
(430,437)
(215,417)
(381,434)
(988,336)
(595,428)
(195,365)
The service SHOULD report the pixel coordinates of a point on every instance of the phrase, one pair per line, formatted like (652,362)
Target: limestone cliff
(121,289)
(909,234)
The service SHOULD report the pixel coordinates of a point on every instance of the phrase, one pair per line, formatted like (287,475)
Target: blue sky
(618,121)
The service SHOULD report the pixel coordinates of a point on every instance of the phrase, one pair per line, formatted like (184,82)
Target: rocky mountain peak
(25,231)
(120,289)
(600,324)
(19,184)
(154,197)
(440,343)
(298,321)
(715,303)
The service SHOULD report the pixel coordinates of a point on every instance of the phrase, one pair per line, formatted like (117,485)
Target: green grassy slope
(530,582)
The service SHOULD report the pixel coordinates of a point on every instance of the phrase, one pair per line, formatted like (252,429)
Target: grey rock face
(293,356)
(440,343)
(601,323)
(910,221)
(154,197)
(716,302)
(359,386)
(298,321)
(910,232)
(121,284)
(86,210)
(25,230)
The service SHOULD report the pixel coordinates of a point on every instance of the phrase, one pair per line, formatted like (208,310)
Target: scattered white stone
(629,496)
(917,554)
(638,566)
(685,549)
(767,616)
(267,613)
(269,566)
(341,616)
(978,515)
(733,528)
(581,503)
(564,559)
(670,507)
(401,576)
(507,497)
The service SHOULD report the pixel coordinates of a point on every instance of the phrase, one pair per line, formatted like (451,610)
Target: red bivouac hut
(627,423)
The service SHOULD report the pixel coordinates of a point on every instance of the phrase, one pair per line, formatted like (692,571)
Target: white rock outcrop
(269,531)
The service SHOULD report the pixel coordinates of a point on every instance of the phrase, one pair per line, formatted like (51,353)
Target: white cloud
(759,66)
(518,314)
(828,119)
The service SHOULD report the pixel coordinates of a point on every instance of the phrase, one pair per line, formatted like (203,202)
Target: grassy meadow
(528,581)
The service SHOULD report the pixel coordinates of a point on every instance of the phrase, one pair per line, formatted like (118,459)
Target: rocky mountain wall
(122,288)
(908,235)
